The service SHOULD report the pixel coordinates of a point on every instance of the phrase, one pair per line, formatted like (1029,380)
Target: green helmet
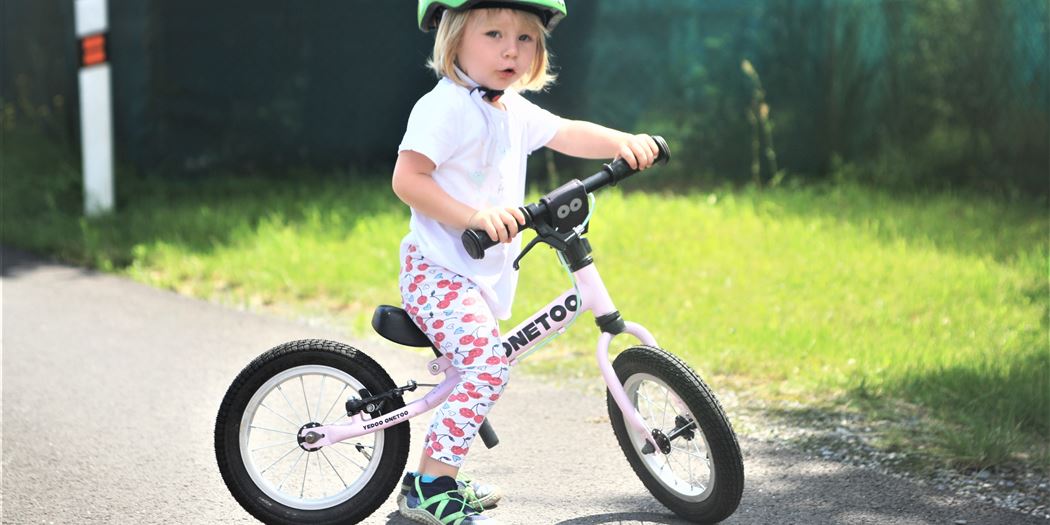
(550,11)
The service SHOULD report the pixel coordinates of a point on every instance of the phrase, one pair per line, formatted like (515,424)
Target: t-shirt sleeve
(431,129)
(540,125)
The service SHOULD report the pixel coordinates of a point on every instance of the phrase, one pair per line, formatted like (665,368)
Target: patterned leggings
(451,312)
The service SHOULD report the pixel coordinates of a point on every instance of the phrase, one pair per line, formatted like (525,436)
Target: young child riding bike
(461,165)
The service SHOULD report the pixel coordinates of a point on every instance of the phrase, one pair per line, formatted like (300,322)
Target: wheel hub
(309,438)
(684,428)
(662,441)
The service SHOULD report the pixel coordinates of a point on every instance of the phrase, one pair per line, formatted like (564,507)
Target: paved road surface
(110,390)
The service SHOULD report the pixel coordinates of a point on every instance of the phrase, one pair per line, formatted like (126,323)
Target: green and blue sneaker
(479,495)
(438,502)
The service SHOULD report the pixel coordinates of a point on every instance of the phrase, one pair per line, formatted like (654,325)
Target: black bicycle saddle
(395,324)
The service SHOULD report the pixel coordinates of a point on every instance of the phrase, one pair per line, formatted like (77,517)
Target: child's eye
(525,38)
(493,34)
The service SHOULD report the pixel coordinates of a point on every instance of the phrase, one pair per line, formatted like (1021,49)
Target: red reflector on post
(93,50)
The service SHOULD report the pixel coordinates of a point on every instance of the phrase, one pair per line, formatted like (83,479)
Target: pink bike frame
(554,317)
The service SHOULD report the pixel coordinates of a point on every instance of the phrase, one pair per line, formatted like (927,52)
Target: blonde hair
(450,36)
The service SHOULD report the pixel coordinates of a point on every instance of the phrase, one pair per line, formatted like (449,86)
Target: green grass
(933,306)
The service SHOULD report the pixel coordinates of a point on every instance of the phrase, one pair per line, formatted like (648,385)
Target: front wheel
(696,470)
(287,388)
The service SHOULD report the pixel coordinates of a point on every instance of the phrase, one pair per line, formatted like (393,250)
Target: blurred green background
(855,220)
(933,92)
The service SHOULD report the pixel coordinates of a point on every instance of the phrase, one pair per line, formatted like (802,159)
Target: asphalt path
(110,390)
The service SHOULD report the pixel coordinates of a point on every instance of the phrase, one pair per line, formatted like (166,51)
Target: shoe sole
(416,515)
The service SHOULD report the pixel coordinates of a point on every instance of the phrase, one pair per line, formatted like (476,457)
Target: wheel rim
(687,470)
(272,456)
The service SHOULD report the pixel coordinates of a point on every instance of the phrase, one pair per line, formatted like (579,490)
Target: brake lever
(547,235)
(532,244)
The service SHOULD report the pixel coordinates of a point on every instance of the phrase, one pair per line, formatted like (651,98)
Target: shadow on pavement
(622,518)
(14,262)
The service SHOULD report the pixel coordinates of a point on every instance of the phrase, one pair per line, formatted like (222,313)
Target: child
(461,165)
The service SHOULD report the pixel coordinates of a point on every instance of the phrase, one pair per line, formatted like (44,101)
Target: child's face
(498,47)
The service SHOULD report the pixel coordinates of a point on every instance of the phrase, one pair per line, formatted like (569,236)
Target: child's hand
(639,151)
(500,223)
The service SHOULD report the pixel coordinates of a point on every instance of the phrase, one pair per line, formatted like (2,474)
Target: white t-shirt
(480,153)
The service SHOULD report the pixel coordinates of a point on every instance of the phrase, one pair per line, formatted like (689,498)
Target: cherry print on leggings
(451,312)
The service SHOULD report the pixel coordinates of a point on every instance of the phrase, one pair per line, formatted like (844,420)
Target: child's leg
(451,311)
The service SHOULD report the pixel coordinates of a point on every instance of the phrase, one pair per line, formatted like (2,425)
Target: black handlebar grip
(476,242)
(488,436)
(619,169)
(665,152)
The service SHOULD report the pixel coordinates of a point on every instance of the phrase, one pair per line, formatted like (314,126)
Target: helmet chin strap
(491,95)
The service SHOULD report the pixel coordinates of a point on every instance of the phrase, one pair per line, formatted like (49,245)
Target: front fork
(630,413)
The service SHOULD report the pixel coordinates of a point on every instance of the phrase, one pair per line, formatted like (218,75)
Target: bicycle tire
(313,362)
(637,368)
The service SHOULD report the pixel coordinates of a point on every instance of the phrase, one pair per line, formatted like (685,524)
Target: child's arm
(591,141)
(415,186)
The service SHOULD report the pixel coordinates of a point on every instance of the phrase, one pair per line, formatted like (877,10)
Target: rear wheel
(697,470)
(299,384)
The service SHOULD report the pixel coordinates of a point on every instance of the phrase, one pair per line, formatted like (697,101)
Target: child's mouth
(505,73)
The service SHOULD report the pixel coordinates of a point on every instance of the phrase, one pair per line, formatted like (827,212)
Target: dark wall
(938,92)
(38,67)
(276,83)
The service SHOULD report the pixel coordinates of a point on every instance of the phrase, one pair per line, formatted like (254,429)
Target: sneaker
(438,503)
(485,495)
(480,496)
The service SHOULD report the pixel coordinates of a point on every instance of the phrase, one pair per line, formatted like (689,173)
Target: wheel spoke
(320,474)
(263,471)
(648,403)
(334,469)
(339,420)
(286,476)
(706,457)
(294,411)
(306,471)
(347,458)
(306,402)
(320,392)
(278,414)
(284,443)
(680,465)
(272,430)
(687,452)
(334,403)
(690,463)
(663,415)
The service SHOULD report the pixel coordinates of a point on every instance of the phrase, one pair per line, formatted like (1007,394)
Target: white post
(96,128)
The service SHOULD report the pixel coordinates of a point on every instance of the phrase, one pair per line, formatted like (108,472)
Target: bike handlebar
(477,241)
